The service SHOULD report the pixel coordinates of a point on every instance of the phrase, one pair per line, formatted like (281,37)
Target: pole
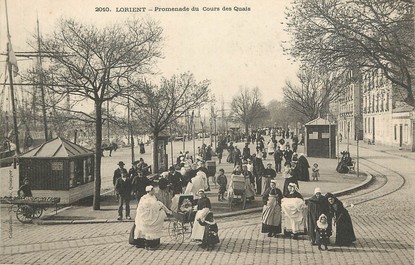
(348,134)
(9,66)
(171,147)
(108,120)
(329,136)
(357,157)
(215,133)
(42,89)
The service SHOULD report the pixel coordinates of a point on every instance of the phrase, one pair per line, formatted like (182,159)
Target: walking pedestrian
(123,188)
(271,213)
(222,181)
(149,220)
(322,232)
(344,228)
(278,155)
(317,205)
(117,174)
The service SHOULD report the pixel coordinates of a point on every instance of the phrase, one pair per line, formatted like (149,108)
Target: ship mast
(10,68)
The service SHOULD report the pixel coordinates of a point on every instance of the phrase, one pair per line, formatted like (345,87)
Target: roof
(57,147)
(402,107)
(319,121)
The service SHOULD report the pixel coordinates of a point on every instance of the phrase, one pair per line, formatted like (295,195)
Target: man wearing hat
(123,189)
(25,190)
(118,172)
(175,180)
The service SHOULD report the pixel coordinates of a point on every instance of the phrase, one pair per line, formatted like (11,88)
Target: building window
(406,133)
(395,134)
(365,128)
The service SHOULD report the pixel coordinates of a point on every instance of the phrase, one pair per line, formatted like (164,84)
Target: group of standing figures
(323,216)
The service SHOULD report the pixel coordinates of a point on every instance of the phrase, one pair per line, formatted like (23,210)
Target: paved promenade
(382,216)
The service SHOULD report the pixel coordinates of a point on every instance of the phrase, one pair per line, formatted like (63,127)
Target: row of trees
(111,64)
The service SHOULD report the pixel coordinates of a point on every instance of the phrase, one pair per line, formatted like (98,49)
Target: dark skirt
(344,230)
(271,229)
(143,243)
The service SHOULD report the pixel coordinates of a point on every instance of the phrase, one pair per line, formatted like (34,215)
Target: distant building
(371,107)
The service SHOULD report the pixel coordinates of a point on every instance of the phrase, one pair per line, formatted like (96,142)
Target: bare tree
(315,92)
(248,108)
(282,115)
(356,34)
(95,64)
(158,107)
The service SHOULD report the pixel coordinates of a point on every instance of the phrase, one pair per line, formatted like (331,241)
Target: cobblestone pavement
(382,216)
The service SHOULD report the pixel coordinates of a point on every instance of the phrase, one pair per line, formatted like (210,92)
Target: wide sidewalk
(330,181)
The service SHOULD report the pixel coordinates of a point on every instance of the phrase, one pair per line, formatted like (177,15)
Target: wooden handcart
(30,208)
(237,188)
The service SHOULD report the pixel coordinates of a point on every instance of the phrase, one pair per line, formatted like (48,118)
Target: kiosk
(59,168)
(320,139)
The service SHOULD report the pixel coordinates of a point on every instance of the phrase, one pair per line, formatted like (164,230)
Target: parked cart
(30,208)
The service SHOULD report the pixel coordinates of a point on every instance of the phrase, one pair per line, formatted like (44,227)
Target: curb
(362,185)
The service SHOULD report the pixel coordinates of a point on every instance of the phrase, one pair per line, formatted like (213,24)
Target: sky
(232,49)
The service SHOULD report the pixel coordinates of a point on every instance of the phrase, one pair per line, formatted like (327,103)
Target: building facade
(369,108)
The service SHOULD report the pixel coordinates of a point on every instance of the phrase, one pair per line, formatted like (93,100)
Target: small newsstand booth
(59,168)
(320,139)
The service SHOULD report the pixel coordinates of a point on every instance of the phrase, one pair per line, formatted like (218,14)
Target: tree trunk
(246,128)
(98,143)
(155,153)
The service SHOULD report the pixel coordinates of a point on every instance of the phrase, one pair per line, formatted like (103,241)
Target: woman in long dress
(293,208)
(344,228)
(203,207)
(149,220)
(271,213)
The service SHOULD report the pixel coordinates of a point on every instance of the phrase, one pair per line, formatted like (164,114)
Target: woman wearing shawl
(289,178)
(317,205)
(149,220)
(303,166)
(210,236)
(342,221)
(203,207)
(293,209)
(271,213)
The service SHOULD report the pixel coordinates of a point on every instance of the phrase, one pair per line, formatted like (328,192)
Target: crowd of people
(284,210)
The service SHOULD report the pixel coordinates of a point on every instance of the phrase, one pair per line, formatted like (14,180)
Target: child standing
(210,236)
(316,172)
(222,181)
(322,232)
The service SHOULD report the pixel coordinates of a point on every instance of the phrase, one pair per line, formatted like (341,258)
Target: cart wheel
(176,231)
(24,214)
(187,229)
(172,229)
(37,212)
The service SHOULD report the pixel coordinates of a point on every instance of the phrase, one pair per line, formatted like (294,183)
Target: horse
(109,147)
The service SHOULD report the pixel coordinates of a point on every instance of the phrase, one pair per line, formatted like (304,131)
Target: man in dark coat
(237,156)
(123,188)
(117,174)
(317,205)
(139,184)
(278,155)
(288,154)
(175,181)
(246,152)
(258,172)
